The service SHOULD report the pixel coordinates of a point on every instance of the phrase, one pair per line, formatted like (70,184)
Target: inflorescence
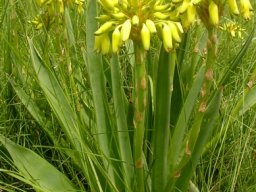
(139,20)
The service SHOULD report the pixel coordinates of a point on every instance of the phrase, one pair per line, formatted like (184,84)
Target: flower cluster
(52,8)
(234,29)
(138,20)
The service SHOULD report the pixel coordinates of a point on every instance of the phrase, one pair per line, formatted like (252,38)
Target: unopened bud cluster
(53,8)
(139,20)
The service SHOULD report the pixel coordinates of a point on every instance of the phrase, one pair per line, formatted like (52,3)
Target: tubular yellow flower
(97,43)
(105,44)
(233,7)
(213,13)
(104,28)
(175,33)
(191,13)
(116,37)
(151,26)
(135,20)
(119,15)
(103,18)
(246,9)
(126,30)
(107,4)
(160,15)
(179,26)
(61,6)
(184,6)
(161,7)
(145,36)
(167,38)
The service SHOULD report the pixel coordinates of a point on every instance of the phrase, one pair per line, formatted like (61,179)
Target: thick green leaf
(166,67)
(184,117)
(97,81)
(56,97)
(206,128)
(33,167)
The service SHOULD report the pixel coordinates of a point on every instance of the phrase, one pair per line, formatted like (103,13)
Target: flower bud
(103,18)
(184,6)
(61,9)
(126,30)
(104,28)
(97,43)
(233,7)
(167,38)
(213,13)
(145,37)
(119,15)
(179,26)
(151,26)
(135,20)
(246,9)
(160,15)
(107,4)
(161,7)
(116,36)
(105,44)
(175,32)
(191,13)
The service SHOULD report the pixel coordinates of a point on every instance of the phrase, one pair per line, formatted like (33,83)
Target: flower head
(138,21)
(52,9)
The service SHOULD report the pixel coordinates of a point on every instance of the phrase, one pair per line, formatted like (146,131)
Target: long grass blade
(184,116)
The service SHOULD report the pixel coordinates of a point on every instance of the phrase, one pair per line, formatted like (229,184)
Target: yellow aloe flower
(213,13)
(246,9)
(233,7)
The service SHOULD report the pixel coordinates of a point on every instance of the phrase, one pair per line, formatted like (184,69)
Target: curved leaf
(33,167)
